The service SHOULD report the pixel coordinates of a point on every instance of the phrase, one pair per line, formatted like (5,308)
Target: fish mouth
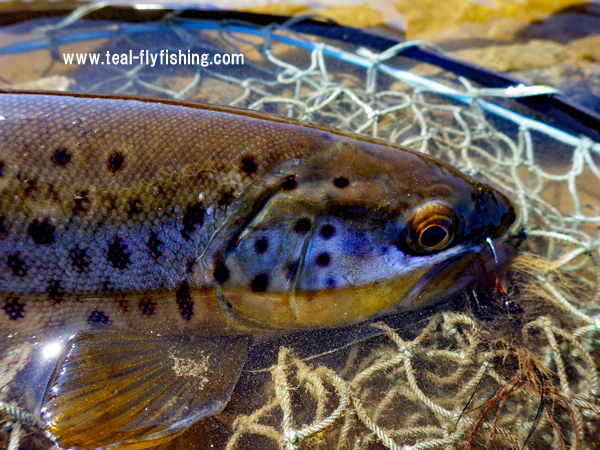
(433,283)
(456,274)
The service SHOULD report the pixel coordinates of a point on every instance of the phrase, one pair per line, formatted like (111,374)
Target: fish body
(126,219)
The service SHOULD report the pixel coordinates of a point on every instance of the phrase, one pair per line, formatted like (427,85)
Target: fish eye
(434,235)
(430,228)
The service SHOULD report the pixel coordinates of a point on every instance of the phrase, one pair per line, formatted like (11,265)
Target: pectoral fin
(117,389)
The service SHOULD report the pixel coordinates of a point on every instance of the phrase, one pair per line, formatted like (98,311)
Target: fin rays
(121,389)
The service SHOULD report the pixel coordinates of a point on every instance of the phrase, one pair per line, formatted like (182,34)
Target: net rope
(457,381)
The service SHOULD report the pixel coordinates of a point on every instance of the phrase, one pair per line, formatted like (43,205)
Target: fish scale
(158,169)
(152,240)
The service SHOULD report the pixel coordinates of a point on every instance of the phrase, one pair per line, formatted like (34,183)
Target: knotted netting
(504,371)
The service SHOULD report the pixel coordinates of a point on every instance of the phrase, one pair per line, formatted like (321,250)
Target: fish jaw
(331,308)
(425,284)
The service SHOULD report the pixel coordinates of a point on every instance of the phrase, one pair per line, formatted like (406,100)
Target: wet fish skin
(119,198)
(149,238)
(151,215)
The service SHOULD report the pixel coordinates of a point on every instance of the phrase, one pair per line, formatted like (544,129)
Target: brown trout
(143,242)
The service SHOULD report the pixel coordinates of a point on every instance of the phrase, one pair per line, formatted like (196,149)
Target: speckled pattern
(142,184)
(124,211)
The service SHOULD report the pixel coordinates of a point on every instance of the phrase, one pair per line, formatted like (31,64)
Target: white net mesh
(486,375)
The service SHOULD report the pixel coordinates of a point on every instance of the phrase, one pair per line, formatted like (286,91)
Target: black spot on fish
(98,317)
(1,169)
(17,265)
(155,245)
(184,301)
(261,245)
(115,162)
(302,225)
(79,259)
(290,269)
(194,216)
(221,274)
(14,308)
(42,231)
(135,207)
(61,157)
(147,306)
(260,283)
(81,203)
(3,227)
(341,182)
(225,199)
(249,165)
(55,291)
(289,183)
(118,254)
(323,259)
(327,231)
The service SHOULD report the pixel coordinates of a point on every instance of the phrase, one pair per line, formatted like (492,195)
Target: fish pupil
(433,236)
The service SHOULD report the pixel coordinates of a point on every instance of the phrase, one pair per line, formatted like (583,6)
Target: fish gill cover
(511,362)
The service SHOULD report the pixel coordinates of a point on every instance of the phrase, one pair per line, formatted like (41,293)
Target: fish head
(358,230)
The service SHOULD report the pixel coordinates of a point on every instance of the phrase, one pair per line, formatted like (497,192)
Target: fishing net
(492,368)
